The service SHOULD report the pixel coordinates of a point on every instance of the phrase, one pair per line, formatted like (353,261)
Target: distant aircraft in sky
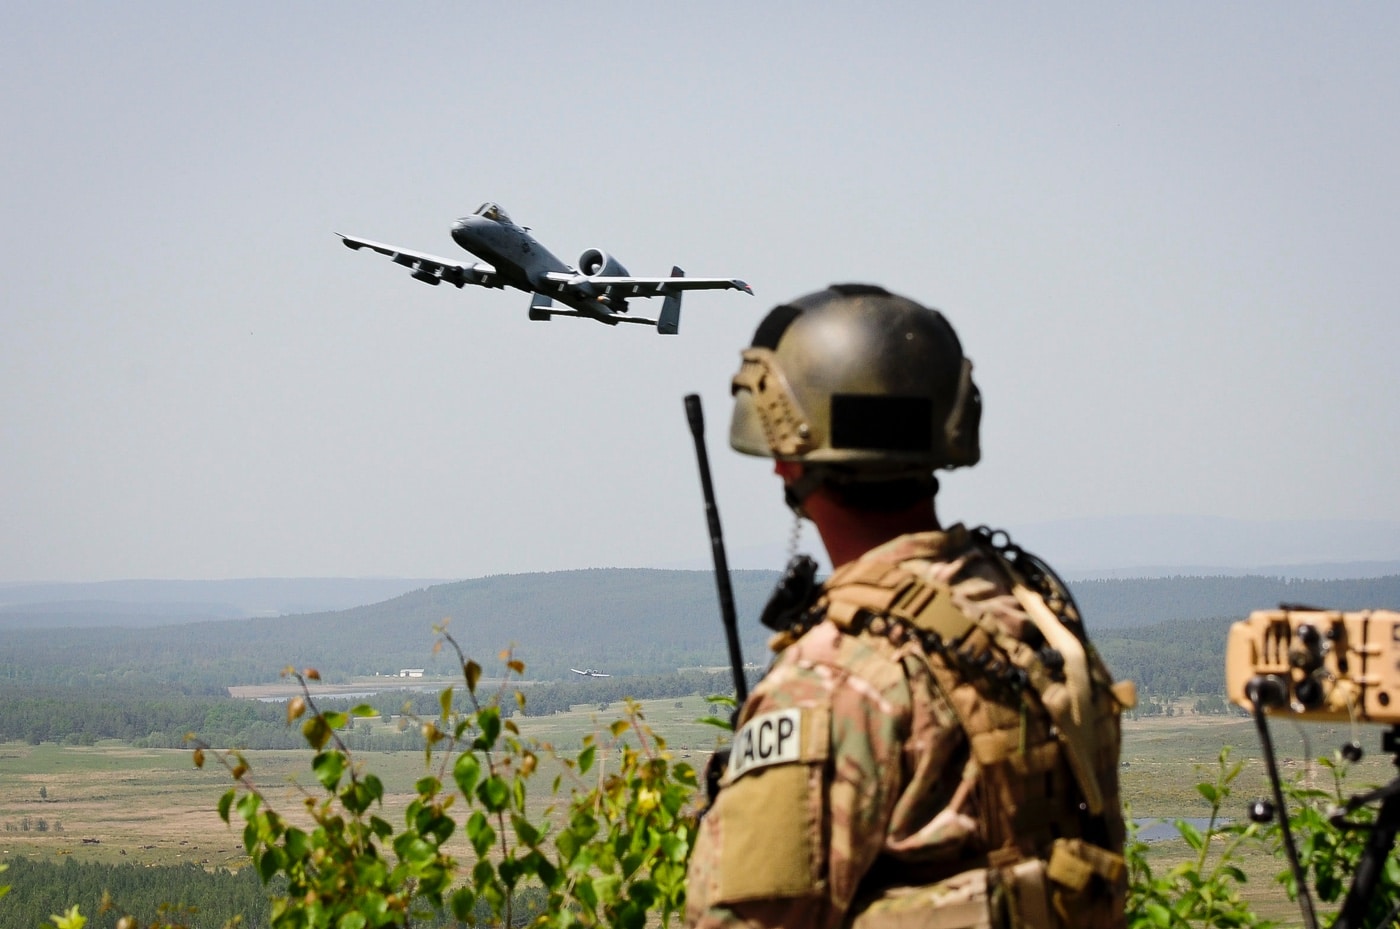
(590,672)
(598,288)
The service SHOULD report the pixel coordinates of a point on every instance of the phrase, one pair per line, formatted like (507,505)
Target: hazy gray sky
(1166,234)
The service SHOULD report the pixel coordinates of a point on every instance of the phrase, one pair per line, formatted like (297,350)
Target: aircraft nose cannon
(460,231)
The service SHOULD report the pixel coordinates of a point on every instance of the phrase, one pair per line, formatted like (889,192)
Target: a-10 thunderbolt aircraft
(590,672)
(598,288)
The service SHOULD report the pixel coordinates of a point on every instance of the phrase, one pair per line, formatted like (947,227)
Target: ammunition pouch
(1089,884)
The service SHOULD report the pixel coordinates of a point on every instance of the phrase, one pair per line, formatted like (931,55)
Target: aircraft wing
(623,287)
(431,269)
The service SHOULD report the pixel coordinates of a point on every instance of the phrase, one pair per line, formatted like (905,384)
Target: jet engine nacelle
(597,263)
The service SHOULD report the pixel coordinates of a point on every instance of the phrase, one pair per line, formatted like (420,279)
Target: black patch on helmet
(896,424)
(771,330)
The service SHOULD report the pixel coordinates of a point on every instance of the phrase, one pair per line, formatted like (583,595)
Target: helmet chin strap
(796,492)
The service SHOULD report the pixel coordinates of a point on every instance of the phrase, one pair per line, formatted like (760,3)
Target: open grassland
(1164,758)
(114,803)
(111,802)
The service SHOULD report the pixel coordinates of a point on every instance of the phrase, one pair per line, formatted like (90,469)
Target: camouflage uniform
(874,782)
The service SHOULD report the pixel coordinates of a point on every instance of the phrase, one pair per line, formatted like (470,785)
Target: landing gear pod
(540,308)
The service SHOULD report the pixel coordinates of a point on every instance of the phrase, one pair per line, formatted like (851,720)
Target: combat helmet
(857,380)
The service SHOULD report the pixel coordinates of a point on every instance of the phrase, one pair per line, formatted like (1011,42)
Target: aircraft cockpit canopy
(492,212)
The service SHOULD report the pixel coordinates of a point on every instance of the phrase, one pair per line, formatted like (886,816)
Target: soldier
(936,742)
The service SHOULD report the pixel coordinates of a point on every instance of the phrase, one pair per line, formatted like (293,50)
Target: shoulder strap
(1071,702)
(890,590)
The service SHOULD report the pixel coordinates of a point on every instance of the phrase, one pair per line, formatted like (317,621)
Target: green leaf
(1191,834)
(568,845)
(269,863)
(585,759)
(248,806)
(493,794)
(484,874)
(472,672)
(445,702)
(225,802)
(480,833)
(316,732)
(72,919)
(1158,915)
(363,710)
(415,851)
(509,870)
(463,904)
(548,873)
(525,831)
(328,767)
(674,847)
(489,719)
(586,894)
(297,844)
(465,772)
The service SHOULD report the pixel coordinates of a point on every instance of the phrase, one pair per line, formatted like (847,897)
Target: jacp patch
(767,739)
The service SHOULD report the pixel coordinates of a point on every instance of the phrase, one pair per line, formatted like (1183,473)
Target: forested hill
(623,621)
(1118,604)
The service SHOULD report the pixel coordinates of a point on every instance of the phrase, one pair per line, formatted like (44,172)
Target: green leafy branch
(339,874)
(615,857)
(1204,891)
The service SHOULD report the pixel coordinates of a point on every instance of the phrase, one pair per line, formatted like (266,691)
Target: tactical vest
(1041,717)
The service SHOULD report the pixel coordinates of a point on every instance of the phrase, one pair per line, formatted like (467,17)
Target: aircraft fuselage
(522,261)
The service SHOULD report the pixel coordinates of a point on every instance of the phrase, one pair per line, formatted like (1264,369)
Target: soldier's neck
(848,534)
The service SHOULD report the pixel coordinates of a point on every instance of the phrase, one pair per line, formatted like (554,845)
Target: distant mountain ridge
(161,602)
(664,594)
(1163,546)
(1155,546)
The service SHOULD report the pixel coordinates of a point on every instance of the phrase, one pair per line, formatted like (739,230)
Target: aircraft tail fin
(669,322)
(540,308)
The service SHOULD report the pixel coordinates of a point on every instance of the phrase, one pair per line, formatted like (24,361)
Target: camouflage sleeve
(805,803)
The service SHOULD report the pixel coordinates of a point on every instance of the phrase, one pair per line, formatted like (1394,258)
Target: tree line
(177,893)
(80,716)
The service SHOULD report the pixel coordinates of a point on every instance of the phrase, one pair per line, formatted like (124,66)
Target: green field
(113,803)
